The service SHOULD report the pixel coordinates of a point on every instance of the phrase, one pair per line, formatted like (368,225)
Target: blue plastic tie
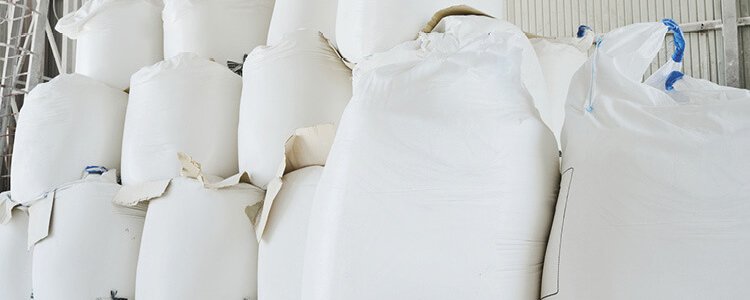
(99,170)
(679,39)
(582,30)
(672,78)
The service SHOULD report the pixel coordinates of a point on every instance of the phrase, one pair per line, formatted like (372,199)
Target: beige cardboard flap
(40,215)
(456,10)
(6,207)
(308,146)
(132,195)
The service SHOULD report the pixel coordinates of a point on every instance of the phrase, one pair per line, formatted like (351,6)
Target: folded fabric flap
(40,216)
(6,207)
(308,146)
(134,195)
(456,10)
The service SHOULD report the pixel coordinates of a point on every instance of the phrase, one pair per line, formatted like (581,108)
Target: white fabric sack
(65,125)
(91,250)
(186,103)
(653,200)
(281,252)
(115,38)
(364,27)
(299,82)
(198,242)
(15,259)
(219,29)
(560,58)
(442,178)
(290,15)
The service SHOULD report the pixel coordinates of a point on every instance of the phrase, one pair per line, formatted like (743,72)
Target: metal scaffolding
(22,44)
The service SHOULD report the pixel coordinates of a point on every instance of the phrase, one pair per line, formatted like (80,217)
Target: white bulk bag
(65,125)
(653,200)
(186,103)
(15,259)
(281,252)
(560,58)
(290,15)
(198,242)
(89,246)
(219,29)
(299,82)
(442,177)
(115,38)
(364,27)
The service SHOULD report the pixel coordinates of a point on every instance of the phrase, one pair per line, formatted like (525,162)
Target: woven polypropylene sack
(183,104)
(115,38)
(66,124)
(281,252)
(15,259)
(218,29)
(92,248)
(290,15)
(442,177)
(653,199)
(298,82)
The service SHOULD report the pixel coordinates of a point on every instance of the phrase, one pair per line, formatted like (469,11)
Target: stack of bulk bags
(298,82)
(186,103)
(219,29)
(115,38)
(653,200)
(15,259)
(198,243)
(86,247)
(65,125)
(560,58)
(442,179)
(286,210)
(290,15)
(364,27)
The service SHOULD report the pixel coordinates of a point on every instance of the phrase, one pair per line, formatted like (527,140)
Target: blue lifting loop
(672,78)
(99,170)
(582,30)
(679,39)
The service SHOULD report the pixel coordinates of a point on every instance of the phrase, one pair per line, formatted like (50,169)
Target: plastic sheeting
(115,38)
(653,200)
(281,253)
(65,125)
(15,259)
(290,15)
(442,178)
(219,29)
(560,58)
(198,242)
(299,82)
(183,104)
(364,27)
(91,250)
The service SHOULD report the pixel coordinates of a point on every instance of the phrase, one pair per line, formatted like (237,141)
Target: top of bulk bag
(185,60)
(72,25)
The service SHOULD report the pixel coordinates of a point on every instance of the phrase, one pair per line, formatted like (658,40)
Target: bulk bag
(299,82)
(281,252)
(66,124)
(15,259)
(364,27)
(560,58)
(290,15)
(85,246)
(286,212)
(115,38)
(669,217)
(219,29)
(185,103)
(198,243)
(442,178)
